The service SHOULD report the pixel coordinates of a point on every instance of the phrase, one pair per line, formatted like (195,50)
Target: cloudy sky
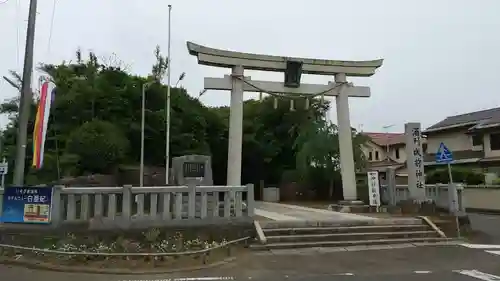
(441,56)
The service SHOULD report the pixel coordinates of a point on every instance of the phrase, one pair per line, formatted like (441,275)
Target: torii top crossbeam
(223,58)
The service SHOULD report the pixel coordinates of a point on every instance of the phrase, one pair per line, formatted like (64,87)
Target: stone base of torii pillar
(238,84)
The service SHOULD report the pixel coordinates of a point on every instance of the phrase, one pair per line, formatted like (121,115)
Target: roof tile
(384,139)
(471,117)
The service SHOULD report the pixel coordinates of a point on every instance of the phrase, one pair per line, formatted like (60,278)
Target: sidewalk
(285,212)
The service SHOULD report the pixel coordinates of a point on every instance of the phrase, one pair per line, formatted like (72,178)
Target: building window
(397,153)
(370,156)
(376,155)
(495,141)
(477,140)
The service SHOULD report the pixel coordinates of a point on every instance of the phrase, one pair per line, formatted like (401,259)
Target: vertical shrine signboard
(374,188)
(415,161)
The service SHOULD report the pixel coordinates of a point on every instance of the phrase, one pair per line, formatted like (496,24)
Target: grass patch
(153,240)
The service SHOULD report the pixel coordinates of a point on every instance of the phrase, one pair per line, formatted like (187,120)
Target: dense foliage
(95,128)
(460,175)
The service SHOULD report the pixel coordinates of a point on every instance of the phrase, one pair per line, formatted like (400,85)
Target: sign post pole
(4,168)
(454,198)
(444,155)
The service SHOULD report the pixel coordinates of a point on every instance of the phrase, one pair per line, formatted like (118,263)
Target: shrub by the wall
(460,175)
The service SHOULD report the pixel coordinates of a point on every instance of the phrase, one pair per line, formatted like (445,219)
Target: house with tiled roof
(473,138)
(384,150)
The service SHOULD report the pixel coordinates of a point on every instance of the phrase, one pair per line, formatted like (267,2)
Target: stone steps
(314,244)
(368,236)
(344,229)
(343,234)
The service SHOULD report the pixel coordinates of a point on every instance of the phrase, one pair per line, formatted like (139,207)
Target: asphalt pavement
(487,227)
(437,263)
(470,262)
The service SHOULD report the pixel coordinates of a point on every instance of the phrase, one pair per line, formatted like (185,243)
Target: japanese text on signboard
(22,204)
(28,195)
(417,153)
(374,188)
(194,170)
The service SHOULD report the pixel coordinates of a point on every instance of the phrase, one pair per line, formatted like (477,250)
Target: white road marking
(480,246)
(478,274)
(187,279)
(422,271)
(494,252)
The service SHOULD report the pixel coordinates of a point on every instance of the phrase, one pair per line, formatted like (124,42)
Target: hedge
(460,175)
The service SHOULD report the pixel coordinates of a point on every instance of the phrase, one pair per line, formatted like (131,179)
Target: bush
(460,175)
(98,146)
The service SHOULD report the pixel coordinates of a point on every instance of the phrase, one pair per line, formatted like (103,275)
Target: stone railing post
(191,200)
(127,203)
(391,186)
(56,212)
(250,200)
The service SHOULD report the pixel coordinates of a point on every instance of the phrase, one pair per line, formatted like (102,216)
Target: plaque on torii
(293,68)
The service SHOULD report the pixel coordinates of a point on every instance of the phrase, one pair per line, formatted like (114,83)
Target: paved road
(488,226)
(460,275)
(435,262)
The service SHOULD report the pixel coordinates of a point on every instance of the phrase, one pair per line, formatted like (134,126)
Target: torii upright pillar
(235,137)
(347,169)
(237,84)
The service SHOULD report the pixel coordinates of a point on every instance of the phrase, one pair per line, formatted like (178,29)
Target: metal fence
(130,207)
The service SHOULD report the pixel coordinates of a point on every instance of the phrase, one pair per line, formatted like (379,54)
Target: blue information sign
(443,155)
(26,204)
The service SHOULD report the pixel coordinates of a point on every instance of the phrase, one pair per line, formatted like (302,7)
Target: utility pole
(167,135)
(386,130)
(26,97)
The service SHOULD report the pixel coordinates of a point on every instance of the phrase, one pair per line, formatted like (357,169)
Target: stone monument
(415,161)
(293,68)
(192,169)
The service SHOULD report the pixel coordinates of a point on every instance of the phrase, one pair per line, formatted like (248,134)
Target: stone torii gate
(237,83)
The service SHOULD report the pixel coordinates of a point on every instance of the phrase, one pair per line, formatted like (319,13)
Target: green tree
(319,154)
(98,145)
(95,126)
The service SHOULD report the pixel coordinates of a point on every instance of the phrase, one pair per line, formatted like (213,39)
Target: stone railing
(435,192)
(483,186)
(131,207)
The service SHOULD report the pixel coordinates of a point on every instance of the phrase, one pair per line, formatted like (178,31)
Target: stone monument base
(350,206)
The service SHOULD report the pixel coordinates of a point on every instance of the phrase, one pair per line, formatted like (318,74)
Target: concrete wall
(482,198)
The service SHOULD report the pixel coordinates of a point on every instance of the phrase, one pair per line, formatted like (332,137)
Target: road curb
(483,211)
(118,271)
